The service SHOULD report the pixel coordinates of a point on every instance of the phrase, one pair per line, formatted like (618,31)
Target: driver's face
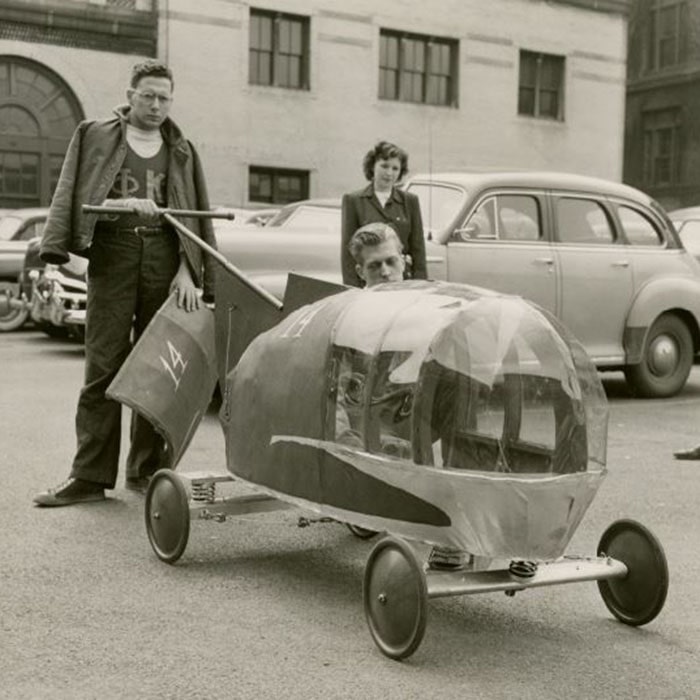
(381,263)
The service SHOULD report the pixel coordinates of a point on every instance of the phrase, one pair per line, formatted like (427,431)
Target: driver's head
(378,254)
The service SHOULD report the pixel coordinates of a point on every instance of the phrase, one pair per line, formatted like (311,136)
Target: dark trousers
(129,278)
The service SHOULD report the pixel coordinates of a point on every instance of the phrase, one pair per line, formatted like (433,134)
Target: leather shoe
(69,492)
(693,453)
(137,483)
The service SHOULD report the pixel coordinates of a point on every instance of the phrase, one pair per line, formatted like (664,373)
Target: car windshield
(308,216)
(8,227)
(439,204)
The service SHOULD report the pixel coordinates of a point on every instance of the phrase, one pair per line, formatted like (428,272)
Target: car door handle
(544,261)
(621,263)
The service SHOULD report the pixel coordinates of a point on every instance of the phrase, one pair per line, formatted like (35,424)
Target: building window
(668,22)
(662,137)
(277,185)
(415,68)
(541,85)
(279,50)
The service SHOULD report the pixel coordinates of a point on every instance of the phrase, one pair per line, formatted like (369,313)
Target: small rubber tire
(361,532)
(667,358)
(167,515)
(395,597)
(14,318)
(638,597)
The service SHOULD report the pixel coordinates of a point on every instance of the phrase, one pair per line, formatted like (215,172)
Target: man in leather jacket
(140,161)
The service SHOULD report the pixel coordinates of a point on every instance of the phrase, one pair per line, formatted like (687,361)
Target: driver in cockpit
(377,252)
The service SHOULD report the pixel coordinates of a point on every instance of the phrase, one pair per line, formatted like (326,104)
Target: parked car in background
(56,295)
(17,228)
(309,214)
(248,217)
(687,223)
(602,257)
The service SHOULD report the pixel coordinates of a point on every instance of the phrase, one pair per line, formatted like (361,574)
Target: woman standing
(381,201)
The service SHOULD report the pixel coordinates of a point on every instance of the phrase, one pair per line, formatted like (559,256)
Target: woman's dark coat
(402,213)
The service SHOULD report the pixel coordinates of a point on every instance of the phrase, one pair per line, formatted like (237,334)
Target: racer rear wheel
(395,597)
(167,515)
(637,598)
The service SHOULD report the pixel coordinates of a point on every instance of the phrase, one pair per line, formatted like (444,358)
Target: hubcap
(663,356)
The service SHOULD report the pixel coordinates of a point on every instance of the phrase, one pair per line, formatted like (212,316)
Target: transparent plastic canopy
(464,379)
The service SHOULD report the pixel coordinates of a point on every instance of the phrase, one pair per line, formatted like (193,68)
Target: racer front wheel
(638,597)
(395,597)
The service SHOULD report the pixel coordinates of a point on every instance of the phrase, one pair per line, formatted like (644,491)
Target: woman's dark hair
(151,68)
(383,151)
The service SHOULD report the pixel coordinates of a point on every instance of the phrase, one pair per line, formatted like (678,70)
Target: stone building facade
(283,97)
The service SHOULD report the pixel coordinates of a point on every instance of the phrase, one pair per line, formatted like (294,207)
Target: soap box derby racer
(442,414)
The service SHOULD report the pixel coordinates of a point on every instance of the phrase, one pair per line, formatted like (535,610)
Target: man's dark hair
(370,236)
(383,151)
(151,68)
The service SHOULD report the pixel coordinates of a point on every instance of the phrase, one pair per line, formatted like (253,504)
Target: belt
(136,230)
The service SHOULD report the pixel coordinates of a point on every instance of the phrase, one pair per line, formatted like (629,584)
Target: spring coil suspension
(522,569)
(203,491)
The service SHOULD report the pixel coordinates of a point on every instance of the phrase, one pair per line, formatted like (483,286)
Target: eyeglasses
(151,97)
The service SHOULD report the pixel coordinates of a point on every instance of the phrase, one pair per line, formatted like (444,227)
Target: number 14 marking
(176,362)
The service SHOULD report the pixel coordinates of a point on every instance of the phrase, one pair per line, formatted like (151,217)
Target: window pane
(638,229)
(526,101)
(392,55)
(282,70)
(30,174)
(260,32)
(528,69)
(283,36)
(482,223)
(11,173)
(582,221)
(295,38)
(387,84)
(518,218)
(550,71)
(294,72)
(549,104)
(439,205)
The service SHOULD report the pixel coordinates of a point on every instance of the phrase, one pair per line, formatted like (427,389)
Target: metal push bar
(169,216)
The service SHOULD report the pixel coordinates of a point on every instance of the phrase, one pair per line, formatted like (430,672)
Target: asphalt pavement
(260,608)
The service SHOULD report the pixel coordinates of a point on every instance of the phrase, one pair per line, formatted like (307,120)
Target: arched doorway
(38,114)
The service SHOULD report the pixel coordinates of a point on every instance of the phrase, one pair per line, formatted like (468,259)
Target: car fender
(680,295)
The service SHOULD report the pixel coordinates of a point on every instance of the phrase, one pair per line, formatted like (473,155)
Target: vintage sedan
(601,256)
